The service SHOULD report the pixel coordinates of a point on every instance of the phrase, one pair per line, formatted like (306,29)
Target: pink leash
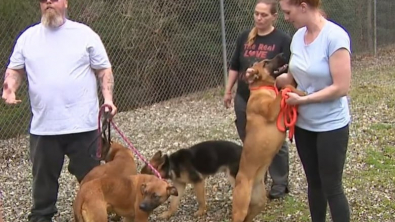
(125,139)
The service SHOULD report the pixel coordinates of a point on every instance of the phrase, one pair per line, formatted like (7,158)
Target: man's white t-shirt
(62,84)
(309,65)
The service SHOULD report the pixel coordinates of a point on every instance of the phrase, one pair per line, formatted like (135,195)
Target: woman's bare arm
(231,81)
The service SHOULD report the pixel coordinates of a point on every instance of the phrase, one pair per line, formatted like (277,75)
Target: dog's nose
(143,207)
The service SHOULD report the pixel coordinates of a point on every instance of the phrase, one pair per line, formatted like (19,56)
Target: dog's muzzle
(146,207)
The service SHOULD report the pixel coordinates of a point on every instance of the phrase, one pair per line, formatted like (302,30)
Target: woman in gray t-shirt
(320,65)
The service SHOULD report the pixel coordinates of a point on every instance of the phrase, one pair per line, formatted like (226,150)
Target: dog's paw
(200,212)
(165,215)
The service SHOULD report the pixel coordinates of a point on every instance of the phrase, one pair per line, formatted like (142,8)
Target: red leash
(108,120)
(287,112)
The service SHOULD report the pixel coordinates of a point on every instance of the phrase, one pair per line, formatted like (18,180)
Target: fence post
(375,27)
(225,66)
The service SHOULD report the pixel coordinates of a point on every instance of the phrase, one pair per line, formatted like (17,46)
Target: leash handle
(103,127)
(107,125)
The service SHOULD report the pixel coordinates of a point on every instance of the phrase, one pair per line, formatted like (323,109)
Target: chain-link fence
(165,49)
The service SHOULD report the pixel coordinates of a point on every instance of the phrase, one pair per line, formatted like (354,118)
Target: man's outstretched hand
(9,96)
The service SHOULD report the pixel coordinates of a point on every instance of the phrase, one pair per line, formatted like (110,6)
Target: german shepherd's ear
(172,191)
(157,155)
(142,188)
(163,161)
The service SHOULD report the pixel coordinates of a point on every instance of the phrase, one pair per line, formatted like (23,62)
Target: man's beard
(52,19)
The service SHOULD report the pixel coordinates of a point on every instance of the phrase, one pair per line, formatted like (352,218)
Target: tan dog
(263,140)
(119,161)
(132,197)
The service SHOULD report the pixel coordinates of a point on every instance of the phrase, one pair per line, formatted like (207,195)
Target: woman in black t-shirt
(261,42)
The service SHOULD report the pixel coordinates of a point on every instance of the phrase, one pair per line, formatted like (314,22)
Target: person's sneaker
(277,192)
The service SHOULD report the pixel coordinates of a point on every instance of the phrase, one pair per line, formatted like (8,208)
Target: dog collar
(274,88)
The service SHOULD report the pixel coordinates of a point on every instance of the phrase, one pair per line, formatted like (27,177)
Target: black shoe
(40,220)
(277,192)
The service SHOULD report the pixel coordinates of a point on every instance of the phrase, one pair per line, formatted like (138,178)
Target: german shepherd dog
(193,165)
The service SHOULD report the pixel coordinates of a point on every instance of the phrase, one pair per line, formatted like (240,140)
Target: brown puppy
(133,197)
(263,140)
(119,161)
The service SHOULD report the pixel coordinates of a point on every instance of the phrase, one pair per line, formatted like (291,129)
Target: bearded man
(61,59)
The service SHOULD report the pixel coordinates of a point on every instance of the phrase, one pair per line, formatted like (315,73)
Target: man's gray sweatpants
(47,155)
(279,169)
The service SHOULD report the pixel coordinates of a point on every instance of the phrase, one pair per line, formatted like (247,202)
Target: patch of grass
(381,127)
(370,87)
(376,184)
(381,163)
(384,134)
(371,186)
(287,209)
